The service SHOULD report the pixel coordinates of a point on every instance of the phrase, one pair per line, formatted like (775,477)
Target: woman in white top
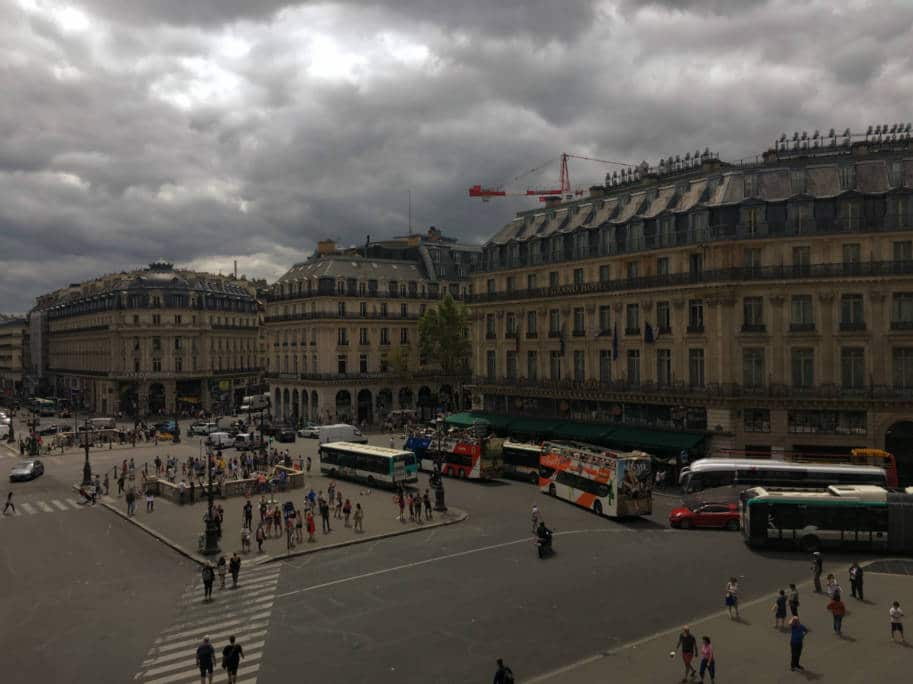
(732,597)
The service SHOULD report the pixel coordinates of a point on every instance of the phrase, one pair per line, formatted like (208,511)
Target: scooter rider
(544,536)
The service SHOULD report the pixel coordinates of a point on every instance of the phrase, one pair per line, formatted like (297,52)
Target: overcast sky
(205,131)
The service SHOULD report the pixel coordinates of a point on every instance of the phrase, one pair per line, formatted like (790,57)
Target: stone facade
(768,304)
(148,342)
(13,355)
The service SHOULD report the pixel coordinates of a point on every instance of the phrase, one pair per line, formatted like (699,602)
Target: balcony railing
(901,325)
(388,375)
(337,316)
(801,327)
(368,294)
(852,326)
(754,328)
(724,275)
(596,389)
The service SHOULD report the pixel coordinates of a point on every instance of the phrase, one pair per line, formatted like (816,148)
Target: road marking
(437,559)
(73,503)
(44,507)
(59,505)
(28,508)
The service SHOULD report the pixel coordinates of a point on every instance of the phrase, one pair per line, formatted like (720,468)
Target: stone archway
(405,398)
(365,407)
(445,397)
(384,403)
(899,441)
(156,398)
(343,406)
(129,400)
(315,408)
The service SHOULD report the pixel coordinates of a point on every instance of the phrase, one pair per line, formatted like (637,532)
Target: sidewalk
(751,651)
(181,526)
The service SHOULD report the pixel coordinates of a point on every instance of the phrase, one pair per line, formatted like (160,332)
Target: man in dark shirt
(232,655)
(503,675)
(688,644)
(206,658)
(797,632)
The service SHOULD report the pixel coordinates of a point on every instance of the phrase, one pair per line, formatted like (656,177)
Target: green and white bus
(374,465)
(864,517)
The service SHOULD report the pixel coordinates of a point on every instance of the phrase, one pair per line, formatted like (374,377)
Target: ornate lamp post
(10,437)
(86,468)
(437,482)
(212,528)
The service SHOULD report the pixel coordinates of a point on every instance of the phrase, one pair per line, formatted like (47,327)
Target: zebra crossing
(243,612)
(41,507)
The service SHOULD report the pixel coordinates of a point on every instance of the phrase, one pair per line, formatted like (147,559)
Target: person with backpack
(231,659)
(209,577)
(234,567)
(503,675)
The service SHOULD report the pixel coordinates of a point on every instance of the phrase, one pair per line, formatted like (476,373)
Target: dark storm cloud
(214,130)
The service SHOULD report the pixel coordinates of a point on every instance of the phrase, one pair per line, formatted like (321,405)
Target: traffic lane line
(449,556)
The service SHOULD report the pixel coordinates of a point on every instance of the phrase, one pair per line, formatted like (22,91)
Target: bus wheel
(597,507)
(551,490)
(808,543)
(732,525)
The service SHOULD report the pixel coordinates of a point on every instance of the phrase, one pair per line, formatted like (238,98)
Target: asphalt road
(82,591)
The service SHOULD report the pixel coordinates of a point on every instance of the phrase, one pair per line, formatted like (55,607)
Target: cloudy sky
(205,131)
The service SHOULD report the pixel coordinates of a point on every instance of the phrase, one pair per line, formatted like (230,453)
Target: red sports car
(722,515)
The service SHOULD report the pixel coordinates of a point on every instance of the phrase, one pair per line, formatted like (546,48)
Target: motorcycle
(544,545)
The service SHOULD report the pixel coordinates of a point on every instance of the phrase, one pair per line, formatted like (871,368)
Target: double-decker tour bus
(521,460)
(859,456)
(371,464)
(863,517)
(742,473)
(613,483)
(462,453)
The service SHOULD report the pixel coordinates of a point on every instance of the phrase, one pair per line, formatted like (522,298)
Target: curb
(158,536)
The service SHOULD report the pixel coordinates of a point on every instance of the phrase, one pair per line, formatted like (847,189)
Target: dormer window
(751,185)
(848,177)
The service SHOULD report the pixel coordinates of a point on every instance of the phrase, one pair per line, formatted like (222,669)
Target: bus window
(346,460)
(545,472)
(720,478)
(691,482)
(566,478)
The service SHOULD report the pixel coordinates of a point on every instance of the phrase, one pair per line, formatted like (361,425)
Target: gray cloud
(208,131)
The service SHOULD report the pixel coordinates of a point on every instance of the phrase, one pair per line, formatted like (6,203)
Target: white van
(341,432)
(246,440)
(220,440)
(102,423)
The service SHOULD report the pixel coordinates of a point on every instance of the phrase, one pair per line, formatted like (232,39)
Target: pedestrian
(221,569)
(830,586)
(231,659)
(208,578)
(732,597)
(796,637)
(277,520)
(708,661)
(261,536)
(535,516)
(838,610)
(856,581)
(793,600)
(107,484)
(192,488)
(9,503)
(234,567)
(503,675)
(688,645)
(897,621)
(426,499)
(312,526)
(309,464)
(338,505)
(206,660)
(299,527)
(347,512)
(131,502)
(120,485)
(410,500)
(269,523)
(262,508)
(248,514)
(359,518)
(817,567)
(779,609)
(325,515)
(392,442)
(150,501)
(245,540)
(401,500)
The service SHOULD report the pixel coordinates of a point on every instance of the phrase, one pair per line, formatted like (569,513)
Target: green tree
(443,338)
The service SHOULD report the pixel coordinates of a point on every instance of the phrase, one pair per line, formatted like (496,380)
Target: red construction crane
(485,194)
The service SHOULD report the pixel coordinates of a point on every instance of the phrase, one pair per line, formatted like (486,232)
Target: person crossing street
(9,503)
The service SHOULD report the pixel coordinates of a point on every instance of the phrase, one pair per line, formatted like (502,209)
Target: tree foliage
(443,337)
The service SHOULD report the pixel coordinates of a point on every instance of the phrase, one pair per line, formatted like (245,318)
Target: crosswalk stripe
(165,652)
(227,612)
(251,651)
(73,503)
(59,505)
(236,596)
(28,508)
(194,674)
(244,584)
(202,628)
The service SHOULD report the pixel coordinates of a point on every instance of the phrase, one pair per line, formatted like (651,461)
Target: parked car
(26,470)
(286,435)
(204,428)
(220,440)
(721,515)
(309,430)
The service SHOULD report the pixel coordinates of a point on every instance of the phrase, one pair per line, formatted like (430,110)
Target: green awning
(530,427)
(646,439)
(463,420)
(583,432)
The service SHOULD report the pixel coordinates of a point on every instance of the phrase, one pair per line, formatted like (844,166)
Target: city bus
(612,483)
(377,466)
(44,407)
(521,460)
(859,456)
(741,473)
(864,517)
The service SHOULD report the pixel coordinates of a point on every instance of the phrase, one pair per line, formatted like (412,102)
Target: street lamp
(86,468)
(10,437)
(212,528)
(437,482)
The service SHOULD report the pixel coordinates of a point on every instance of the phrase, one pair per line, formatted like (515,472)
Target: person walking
(732,597)
(896,614)
(309,464)
(261,536)
(120,485)
(206,660)
(325,515)
(780,610)
(338,513)
(299,527)
(312,526)
(221,569)
(856,581)
(245,540)
(503,675)
(359,518)
(817,568)
(9,503)
(208,578)
(231,659)
(234,567)
(708,660)
(426,499)
(838,610)
(248,514)
(401,501)
(797,632)
(688,645)
(150,501)
(107,484)
(347,512)
(131,502)
(536,517)
(793,600)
